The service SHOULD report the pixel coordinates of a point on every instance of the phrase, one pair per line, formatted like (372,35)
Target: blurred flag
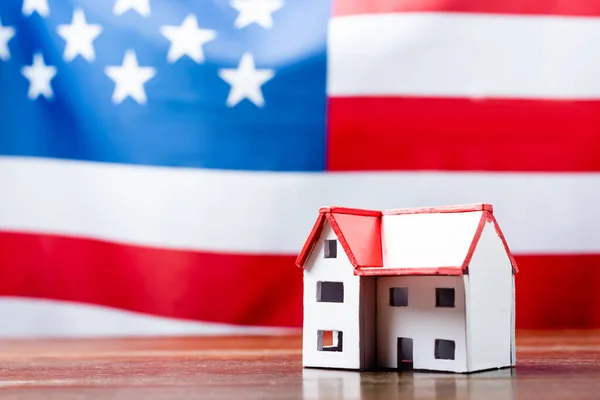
(162,161)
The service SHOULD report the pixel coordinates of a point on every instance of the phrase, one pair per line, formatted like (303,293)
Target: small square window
(444,297)
(330,341)
(444,349)
(330,248)
(398,297)
(330,292)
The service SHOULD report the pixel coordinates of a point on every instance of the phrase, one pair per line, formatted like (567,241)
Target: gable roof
(360,234)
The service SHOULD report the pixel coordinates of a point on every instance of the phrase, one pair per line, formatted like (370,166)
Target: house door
(405,353)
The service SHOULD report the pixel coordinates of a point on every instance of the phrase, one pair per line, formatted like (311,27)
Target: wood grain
(551,365)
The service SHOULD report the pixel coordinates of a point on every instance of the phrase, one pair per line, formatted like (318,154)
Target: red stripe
(235,289)
(461,134)
(552,291)
(558,292)
(523,7)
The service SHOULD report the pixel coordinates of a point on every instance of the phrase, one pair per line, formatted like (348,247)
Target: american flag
(163,161)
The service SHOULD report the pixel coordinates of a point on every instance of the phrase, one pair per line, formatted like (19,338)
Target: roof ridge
(440,209)
(349,211)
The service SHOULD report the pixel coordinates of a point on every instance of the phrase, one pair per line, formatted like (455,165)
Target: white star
(39,75)
(187,39)
(258,11)
(41,6)
(6,33)
(79,37)
(246,81)
(141,6)
(129,79)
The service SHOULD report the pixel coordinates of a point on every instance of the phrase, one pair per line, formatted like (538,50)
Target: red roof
(359,233)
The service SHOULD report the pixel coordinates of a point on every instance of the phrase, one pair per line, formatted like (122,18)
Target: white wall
(491,307)
(427,240)
(331,316)
(421,321)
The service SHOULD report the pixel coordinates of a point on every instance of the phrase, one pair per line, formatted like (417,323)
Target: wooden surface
(560,365)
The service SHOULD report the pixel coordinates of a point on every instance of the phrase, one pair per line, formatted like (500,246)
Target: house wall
(490,310)
(344,317)
(421,321)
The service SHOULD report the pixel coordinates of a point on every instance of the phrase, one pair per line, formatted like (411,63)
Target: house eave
(421,271)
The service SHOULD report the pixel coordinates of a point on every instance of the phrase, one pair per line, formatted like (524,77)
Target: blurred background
(163,161)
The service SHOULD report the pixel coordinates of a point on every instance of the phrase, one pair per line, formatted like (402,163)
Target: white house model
(423,289)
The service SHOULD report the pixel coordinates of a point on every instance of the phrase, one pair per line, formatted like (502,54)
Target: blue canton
(185,112)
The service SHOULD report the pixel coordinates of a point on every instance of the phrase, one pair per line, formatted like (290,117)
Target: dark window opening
(405,353)
(444,349)
(444,297)
(330,292)
(398,297)
(330,341)
(331,248)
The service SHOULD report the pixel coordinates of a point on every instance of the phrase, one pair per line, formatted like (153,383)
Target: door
(405,353)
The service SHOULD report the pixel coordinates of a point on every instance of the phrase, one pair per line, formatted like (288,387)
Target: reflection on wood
(559,365)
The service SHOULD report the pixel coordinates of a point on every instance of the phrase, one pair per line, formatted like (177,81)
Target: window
(330,292)
(331,248)
(444,297)
(444,349)
(398,297)
(330,341)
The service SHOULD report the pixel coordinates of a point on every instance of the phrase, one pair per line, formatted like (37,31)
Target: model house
(425,289)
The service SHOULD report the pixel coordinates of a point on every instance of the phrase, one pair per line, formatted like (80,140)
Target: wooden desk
(561,365)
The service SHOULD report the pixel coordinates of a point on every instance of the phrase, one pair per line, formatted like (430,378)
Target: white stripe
(466,55)
(24,318)
(273,212)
